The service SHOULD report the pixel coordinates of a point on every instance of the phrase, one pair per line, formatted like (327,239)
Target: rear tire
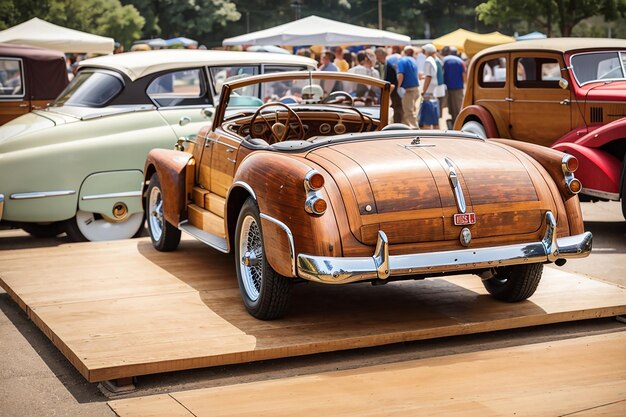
(165,236)
(93,227)
(44,230)
(514,283)
(264,292)
(475,128)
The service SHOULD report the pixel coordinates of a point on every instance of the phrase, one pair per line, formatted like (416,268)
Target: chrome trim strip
(112,195)
(600,194)
(205,237)
(456,187)
(1,205)
(243,185)
(340,270)
(292,248)
(41,194)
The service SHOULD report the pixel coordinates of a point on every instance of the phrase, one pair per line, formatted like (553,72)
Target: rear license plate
(467,218)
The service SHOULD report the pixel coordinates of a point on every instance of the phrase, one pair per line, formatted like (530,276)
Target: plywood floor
(577,377)
(122,309)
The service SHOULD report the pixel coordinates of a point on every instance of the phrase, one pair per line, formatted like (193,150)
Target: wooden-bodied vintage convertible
(302,183)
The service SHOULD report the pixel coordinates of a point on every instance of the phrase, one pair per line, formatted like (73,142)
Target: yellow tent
(471,42)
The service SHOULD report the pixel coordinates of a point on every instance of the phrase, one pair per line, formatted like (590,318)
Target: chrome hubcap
(155,209)
(251,246)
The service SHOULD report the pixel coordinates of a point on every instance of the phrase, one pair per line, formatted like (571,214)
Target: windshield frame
(621,56)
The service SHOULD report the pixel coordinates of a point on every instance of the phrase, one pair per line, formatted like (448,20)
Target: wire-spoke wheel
(165,237)
(514,283)
(265,293)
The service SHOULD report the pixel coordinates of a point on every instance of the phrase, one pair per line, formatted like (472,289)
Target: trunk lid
(405,189)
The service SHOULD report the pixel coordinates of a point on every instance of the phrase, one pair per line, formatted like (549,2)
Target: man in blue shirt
(454,77)
(409,83)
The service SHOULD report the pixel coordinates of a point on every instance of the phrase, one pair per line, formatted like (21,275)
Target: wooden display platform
(122,309)
(544,379)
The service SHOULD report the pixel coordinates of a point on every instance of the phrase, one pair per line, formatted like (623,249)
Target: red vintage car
(302,183)
(566,93)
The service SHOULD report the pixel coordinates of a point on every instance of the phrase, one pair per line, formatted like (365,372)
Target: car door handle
(508,99)
(231,160)
(184,120)
(229,150)
(565,102)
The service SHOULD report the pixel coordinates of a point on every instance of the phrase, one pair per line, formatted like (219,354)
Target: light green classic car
(77,166)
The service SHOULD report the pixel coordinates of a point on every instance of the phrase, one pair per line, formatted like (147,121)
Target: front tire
(165,236)
(475,128)
(514,283)
(264,292)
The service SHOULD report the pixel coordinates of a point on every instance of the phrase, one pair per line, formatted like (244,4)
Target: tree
(543,14)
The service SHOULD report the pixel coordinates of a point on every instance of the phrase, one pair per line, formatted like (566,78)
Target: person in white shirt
(429,111)
(366,61)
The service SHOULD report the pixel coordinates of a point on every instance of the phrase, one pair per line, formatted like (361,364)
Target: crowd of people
(425,80)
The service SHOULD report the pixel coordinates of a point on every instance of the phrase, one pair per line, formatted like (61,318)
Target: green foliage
(544,15)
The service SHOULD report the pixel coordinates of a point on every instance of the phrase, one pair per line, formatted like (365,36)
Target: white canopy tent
(37,32)
(314,30)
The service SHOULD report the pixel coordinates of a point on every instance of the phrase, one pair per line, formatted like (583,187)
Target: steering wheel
(340,128)
(279,131)
(339,97)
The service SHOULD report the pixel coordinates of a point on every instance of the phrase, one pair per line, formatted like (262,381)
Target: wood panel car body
(568,94)
(324,189)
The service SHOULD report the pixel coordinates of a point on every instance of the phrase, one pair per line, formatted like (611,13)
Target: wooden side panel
(199,195)
(215,204)
(205,220)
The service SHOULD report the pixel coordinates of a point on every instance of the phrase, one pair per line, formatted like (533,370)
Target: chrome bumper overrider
(1,205)
(380,266)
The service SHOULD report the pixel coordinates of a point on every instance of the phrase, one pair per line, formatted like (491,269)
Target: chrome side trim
(242,185)
(292,248)
(205,237)
(600,194)
(339,270)
(41,194)
(1,205)
(112,195)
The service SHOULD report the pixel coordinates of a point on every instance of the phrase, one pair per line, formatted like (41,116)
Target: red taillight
(570,163)
(315,205)
(313,181)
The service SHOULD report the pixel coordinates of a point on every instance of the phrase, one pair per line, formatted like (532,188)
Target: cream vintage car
(303,184)
(77,166)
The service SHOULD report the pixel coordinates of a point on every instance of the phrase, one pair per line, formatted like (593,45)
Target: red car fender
(604,134)
(175,178)
(479,113)
(597,169)
(277,182)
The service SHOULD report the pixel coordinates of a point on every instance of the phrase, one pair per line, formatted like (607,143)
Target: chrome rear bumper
(339,270)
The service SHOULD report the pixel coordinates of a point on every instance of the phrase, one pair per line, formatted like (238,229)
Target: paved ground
(36,380)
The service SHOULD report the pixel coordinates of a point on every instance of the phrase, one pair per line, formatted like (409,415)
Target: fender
(277,181)
(478,113)
(551,160)
(604,134)
(176,174)
(598,170)
(102,191)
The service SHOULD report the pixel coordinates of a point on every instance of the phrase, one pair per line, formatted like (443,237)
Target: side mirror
(563,83)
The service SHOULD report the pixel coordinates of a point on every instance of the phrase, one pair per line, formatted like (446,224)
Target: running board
(205,237)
